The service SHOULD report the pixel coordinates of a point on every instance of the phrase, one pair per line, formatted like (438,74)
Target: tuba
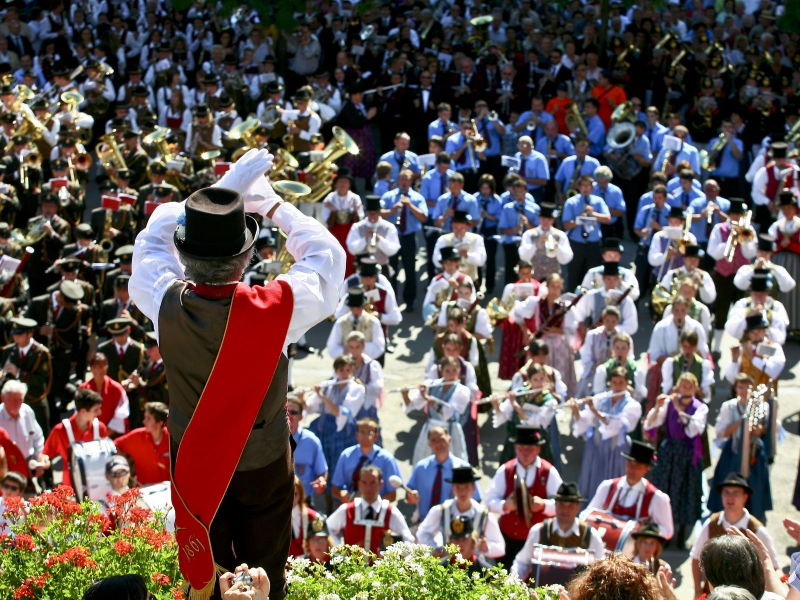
(244,131)
(290,191)
(622,137)
(574,120)
(323,171)
(110,155)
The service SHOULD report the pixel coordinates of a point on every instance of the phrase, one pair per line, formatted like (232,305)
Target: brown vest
(581,540)
(191,330)
(301,145)
(715,528)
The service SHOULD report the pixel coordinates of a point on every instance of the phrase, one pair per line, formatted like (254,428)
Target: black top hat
(369,267)
(650,530)
(463,475)
(150,339)
(21,325)
(787,198)
(754,322)
(273,87)
(693,251)
(779,149)
(640,452)
(568,492)
(355,297)
(766,243)
(676,212)
(140,92)
(230,59)
(738,206)
(734,480)
(461,216)
(461,527)
(201,110)
(612,243)
(84,231)
(548,210)
(225,101)
(317,527)
(761,281)
(610,268)
(118,326)
(158,167)
(450,253)
(302,94)
(344,173)
(372,202)
(214,225)
(265,241)
(71,291)
(527,435)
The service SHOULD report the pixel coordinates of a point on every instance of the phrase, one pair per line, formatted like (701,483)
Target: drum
(556,565)
(615,530)
(158,498)
(87,466)
(342,217)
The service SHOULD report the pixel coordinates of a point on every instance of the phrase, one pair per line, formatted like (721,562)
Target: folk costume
(452,413)
(202,330)
(539,411)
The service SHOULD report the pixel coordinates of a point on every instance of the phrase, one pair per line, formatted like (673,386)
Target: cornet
(550,246)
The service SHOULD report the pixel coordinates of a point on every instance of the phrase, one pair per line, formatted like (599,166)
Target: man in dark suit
(123,257)
(121,306)
(122,226)
(29,361)
(86,252)
(58,320)
(149,384)
(531,75)
(55,233)
(557,73)
(19,43)
(124,354)
(423,110)
(507,94)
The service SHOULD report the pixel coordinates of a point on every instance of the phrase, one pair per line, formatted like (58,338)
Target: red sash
(197,485)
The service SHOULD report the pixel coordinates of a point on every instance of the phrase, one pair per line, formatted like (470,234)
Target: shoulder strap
(68,428)
(586,534)
(544,536)
(96,429)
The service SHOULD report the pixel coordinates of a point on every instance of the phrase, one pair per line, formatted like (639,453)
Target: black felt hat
(734,480)
(766,243)
(355,297)
(369,267)
(568,492)
(610,269)
(693,251)
(462,216)
(214,225)
(738,206)
(787,198)
(450,253)
(528,436)
(612,243)
(463,475)
(676,212)
(461,527)
(753,322)
(761,281)
(372,202)
(650,530)
(640,452)
(548,210)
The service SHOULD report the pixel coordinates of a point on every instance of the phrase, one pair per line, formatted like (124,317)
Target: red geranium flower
(122,547)
(14,506)
(160,579)
(25,542)
(177,594)
(79,556)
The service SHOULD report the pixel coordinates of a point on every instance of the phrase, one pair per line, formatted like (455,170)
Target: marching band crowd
(446,131)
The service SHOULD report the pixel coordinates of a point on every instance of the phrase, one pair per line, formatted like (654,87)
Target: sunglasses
(294,413)
(11,488)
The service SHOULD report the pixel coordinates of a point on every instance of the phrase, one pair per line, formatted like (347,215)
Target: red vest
(459,276)
(772,181)
(794,242)
(630,512)
(723,267)
(296,545)
(513,524)
(355,535)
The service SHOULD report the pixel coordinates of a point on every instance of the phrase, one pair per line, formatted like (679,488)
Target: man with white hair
(19,421)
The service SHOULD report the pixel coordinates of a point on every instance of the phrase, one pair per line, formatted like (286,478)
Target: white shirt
(216,137)
(665,339)
(618,425)
(531,307)
(656,256)
(660,508)
(482,325)
(335,344)
(497,493)
(391,314)
(431,534)
(397,523)
(441,284)
(760,183)
(737,320)
(353,401)
(350,202)
(761,533)
(594,279)
(785,281)
(456,405)
(470,379)
(716,247)
(695,426)
(531,244)
(314,122)
(522,563)
(707,291)
(387,240)
(537,416)
(629,323)
(24,431)
(771,366)
(707,380)
(476,250)
(315,277)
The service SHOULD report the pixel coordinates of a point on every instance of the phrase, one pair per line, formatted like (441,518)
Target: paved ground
(407,365)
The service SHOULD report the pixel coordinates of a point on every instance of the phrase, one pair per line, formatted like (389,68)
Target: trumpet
(32,160)
(492,116)
(476,139)
(372,243)
(740,234)
(532,123)
(550,246)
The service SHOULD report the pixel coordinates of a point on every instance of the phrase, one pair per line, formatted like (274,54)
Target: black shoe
(303,347)
(680,538)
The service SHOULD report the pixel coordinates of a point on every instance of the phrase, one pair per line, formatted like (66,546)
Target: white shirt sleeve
(527,247)
(335,344)
(476,255)
(390,243)
(630,318)
(377,346)
(564,252)
(495,495)
(392,314)
(716,249)
(338,520)
(760,187)
(667,368)
(430,526)
(708,291)
(398,524)
(122,412)
(522,562)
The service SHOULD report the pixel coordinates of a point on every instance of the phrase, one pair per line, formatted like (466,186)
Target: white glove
(246,171)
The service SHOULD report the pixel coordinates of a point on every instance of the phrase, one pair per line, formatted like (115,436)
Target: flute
(503,395)
(581,401)
(305,390)
(415,387)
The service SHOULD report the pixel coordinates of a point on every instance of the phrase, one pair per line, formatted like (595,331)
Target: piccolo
(383,89)
(503,395)
(581,401)
(305,390)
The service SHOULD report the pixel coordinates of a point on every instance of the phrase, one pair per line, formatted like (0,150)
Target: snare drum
(615,530)
(158,498)
(556,565)
(87,467)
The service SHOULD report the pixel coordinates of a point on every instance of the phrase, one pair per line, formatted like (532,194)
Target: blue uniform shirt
(567,169)
(440,129)
(700,227)
(509,217)
(468,161)
(642,148)
(381,187)
(464,201)
(613,198)
(573,208)
(526,116)
(349,459)
(675,183)
(423,476)
(489,132)
(729,165)
(309,460)
(412,224)
(493,206)
(655,135)
(397,160)
(651,212)
(683,199)
(561,144)
(433,185)
(687,152)
(533,166)
(597,136)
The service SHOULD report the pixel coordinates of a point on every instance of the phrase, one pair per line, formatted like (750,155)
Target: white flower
(376,584)
(355,577)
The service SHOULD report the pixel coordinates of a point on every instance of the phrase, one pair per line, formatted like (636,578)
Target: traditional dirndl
(511,345)
(333,442)
(679,474)
(561,358)
(363,164)
(730,461)
(790,300)
(602,459)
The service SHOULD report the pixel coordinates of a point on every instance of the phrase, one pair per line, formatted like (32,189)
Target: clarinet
(599,321)
(557,314)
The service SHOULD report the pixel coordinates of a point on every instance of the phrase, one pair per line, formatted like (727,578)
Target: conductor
(224,349)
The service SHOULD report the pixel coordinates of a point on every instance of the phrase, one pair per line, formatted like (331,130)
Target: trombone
(740,234)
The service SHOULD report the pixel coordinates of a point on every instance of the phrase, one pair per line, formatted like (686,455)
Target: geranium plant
(57,547)
(404,571)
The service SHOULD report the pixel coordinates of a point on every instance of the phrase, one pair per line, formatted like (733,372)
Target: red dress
(340,230)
